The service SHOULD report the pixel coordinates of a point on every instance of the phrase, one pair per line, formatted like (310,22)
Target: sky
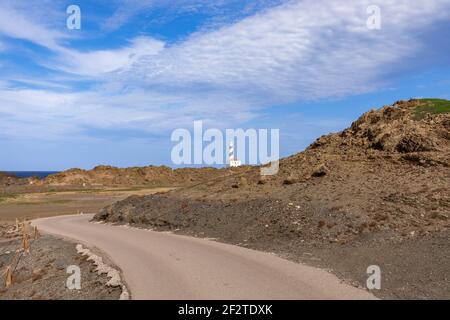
(113,91)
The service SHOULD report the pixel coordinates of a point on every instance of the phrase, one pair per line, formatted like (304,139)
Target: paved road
(166,266)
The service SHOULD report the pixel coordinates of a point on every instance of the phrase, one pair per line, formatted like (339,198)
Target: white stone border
(102,268)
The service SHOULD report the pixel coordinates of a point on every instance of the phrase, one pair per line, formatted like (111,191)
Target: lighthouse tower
(233,162)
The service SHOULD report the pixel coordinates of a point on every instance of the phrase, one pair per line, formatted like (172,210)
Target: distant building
(233,162)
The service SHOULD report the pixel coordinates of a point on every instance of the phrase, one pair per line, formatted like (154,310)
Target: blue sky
(112,92)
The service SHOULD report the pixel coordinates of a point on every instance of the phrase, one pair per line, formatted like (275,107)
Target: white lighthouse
(233,162)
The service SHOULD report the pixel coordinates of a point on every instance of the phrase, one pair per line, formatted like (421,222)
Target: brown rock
(320,171)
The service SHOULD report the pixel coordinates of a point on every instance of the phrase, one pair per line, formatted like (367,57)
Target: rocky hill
(7,179)
(135,176)
(385,179)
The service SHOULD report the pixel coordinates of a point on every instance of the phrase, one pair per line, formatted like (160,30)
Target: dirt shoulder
(417,268)
(41,274)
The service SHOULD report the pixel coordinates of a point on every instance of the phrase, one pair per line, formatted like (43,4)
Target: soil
(41,273)
(375,193)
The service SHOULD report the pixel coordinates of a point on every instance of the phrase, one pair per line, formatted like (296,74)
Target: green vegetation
(433,106)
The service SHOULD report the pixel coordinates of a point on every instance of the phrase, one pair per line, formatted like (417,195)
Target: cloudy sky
(113,91)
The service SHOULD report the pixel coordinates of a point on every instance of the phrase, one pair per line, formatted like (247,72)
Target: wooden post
(25,244)
(36,233)
(8,277)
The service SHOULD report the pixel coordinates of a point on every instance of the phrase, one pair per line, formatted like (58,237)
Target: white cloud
(98,63)
(51,115)
(125,11)
(213,11)
(36,83)
(303,50)
(300,51)
(23,20)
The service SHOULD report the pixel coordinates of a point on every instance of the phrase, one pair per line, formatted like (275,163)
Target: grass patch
(432,106)
(121,189)
(36,203)
(5,197)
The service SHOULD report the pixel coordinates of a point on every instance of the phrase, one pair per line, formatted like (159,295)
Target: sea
(28,174)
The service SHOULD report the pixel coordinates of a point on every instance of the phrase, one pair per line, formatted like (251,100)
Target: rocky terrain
(137,176)
(108,177)
(7,179)
(352,198)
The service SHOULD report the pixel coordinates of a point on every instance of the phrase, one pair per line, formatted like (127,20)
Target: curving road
(159,265)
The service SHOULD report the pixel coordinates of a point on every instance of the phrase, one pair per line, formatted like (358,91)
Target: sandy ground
(167,266)
(45,204)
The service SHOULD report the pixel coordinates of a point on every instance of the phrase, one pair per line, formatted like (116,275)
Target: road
(161,265)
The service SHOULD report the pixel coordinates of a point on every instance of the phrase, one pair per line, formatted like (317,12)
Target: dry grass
(46,204)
